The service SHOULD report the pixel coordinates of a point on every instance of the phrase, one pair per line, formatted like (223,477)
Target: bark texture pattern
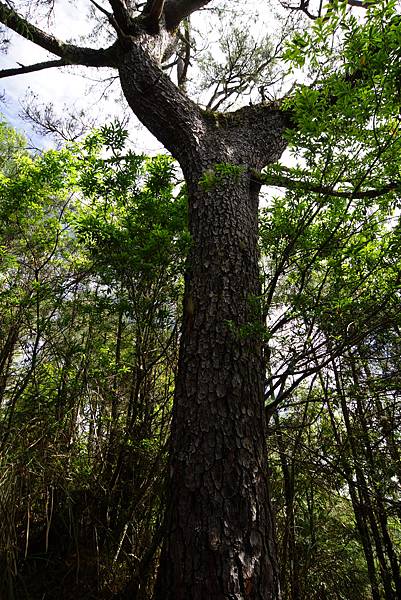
(219,542)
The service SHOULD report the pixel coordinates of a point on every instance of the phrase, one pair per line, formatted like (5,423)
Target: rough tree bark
(219,541)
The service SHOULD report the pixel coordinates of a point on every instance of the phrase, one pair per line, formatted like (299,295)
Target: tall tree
(218,539)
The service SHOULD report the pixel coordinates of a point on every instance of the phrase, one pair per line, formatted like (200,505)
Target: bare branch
(121,32)
(152,14)
(121,15)
(49,64)
(326,358)
(359,3)
(186,59)
(291,184)
(69,52)
(156,10)
(70,125)
(101,9)
(303,6)
(176,10)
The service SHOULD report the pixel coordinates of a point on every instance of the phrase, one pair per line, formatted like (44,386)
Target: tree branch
(101,9)
(173,118)
(290,184)
(152,14)
(69,52)
(303,6)
(359,3)
(176,10)
(186,59)
(156,10)
(122,32)
(49,64)
(121,15)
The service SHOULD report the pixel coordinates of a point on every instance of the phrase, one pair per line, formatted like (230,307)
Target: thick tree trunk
(219,541)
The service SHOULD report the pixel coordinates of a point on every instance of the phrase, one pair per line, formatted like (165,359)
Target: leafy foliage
(93,244)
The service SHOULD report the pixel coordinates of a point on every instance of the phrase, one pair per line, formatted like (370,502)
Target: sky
(50,84)
(65,88)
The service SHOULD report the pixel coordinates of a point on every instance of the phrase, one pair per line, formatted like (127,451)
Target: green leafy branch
(281,177)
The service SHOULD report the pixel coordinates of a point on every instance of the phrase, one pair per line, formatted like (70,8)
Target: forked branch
(121,15)
(70,53)
(303,6)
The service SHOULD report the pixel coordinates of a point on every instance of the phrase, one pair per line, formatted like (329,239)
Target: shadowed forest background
(92,254)
(94,241)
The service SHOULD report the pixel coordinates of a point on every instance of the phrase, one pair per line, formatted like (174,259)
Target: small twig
(102,10)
